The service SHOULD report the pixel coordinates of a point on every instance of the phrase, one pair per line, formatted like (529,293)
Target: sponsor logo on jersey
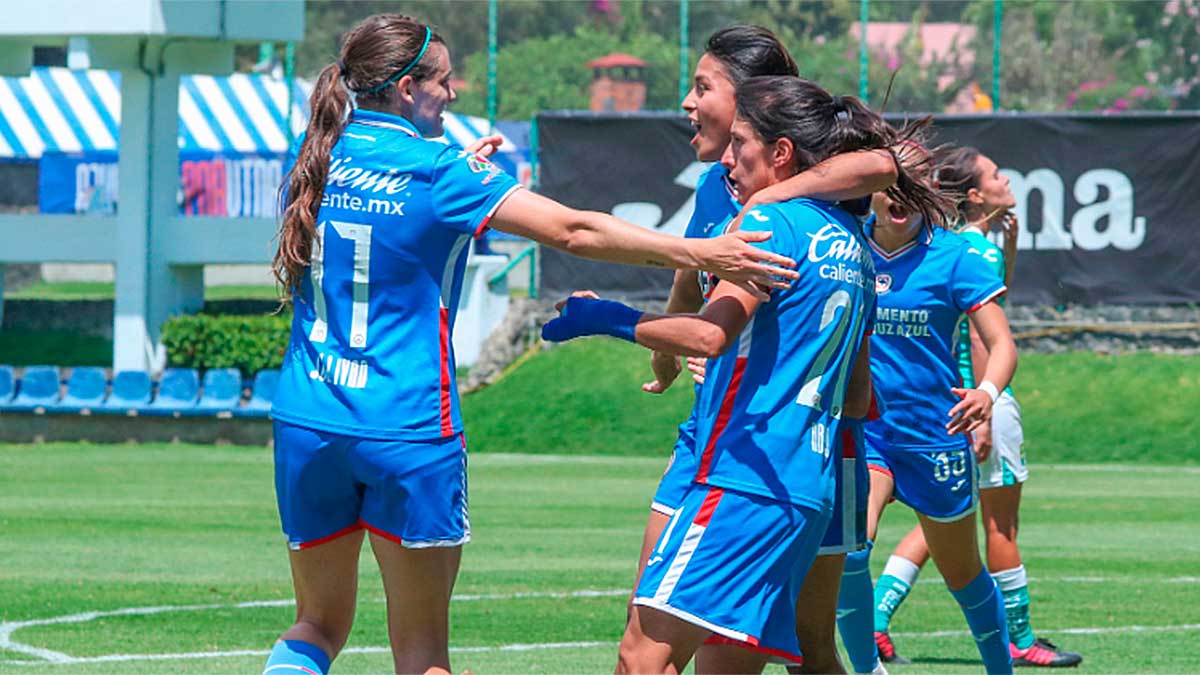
(883,283)
(832,247)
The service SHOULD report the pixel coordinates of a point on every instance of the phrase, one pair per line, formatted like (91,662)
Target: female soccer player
(984,200)
(731,56)
(741,540)
(918,450)
(372,249)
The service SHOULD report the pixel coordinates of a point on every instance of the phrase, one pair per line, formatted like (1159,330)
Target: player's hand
(697,366)
(485,146)
(733,259)
(974,409)
(981,441)
(567,325)
(1011,227)
(666,368)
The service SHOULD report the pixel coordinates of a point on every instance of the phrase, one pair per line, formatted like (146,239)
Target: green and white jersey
(994,257)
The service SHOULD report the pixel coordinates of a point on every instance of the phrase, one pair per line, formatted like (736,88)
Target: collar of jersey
(374,118)
(925,238)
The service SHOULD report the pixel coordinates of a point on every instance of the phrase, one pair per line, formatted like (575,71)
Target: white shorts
(1006,465)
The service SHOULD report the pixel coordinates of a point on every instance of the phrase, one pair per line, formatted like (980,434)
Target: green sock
(893,587)
(1014,587)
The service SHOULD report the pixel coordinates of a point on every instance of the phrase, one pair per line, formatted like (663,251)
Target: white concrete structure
(159,255)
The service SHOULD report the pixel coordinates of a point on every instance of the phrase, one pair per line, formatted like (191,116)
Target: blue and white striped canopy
(71,111)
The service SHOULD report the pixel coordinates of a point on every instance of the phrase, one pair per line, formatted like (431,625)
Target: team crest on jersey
(883,283)
(478,164)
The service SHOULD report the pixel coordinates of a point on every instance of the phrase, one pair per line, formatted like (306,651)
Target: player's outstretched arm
(706,334)
(851,175)
(599,236)
(976,404)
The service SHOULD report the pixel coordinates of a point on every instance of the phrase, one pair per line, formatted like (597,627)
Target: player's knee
(330,630)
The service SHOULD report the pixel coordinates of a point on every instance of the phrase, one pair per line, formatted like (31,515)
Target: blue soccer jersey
(716,205)
(370,353)
(771,405)
(923,288)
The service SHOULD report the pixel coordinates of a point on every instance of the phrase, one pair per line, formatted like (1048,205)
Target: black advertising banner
(639,168)
(1105,202)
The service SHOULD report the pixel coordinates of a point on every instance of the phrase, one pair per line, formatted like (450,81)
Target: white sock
(1009,580)
(903,569)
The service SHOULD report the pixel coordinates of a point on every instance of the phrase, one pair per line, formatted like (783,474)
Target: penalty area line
(112,658)
(109,658)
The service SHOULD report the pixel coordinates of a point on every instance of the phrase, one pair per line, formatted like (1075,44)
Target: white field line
(108,658)
(1092,580)
(7,628)
(1069,631)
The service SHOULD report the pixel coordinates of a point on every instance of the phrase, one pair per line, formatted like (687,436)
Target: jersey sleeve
(695,228)
(973,282)
(767,218)
(467,189)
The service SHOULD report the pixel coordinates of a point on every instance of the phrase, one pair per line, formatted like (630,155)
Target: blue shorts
(847,531)
(733,563)
(940,484)
(681,470)
(329,485)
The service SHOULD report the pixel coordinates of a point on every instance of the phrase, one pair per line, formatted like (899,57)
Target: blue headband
(414,62)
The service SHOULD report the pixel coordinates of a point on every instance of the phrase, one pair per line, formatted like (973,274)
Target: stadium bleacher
(179,392)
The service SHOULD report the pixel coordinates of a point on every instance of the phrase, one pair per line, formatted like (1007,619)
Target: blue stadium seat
(8,385)
(85,390)
(263,391)
(38,390)
(222,391)
(130,393)
(178,392)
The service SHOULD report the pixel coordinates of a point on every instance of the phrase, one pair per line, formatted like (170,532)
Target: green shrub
(249,343)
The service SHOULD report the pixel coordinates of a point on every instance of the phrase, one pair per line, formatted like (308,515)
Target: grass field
(104,290)
(168,558)
(585,398)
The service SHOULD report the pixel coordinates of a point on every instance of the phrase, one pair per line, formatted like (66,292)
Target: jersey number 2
(361,236)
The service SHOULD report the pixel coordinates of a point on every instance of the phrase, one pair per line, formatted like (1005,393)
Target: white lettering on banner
(1121,229)
(96,187)
(641,213)
(252,187)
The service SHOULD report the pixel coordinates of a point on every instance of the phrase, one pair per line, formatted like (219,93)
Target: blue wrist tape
(589,316)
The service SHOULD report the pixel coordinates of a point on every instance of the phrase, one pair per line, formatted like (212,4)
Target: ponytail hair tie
(840,111)
(342,68)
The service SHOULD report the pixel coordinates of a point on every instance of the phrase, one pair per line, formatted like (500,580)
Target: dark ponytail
(956,172)
(373,52)
(821,125)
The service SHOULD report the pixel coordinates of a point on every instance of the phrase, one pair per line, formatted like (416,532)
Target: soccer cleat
(887,650)
(1042,653)
(879,669)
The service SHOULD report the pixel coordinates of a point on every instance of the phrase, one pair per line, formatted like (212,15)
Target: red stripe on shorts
(792,659)
(328,538)
(723,416)
(444,394)
(849,448)
(375,530)
(704,517)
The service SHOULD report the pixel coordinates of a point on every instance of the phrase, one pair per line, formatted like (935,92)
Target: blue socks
(591,316)
(855,618)
(295,657)
(983,606)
